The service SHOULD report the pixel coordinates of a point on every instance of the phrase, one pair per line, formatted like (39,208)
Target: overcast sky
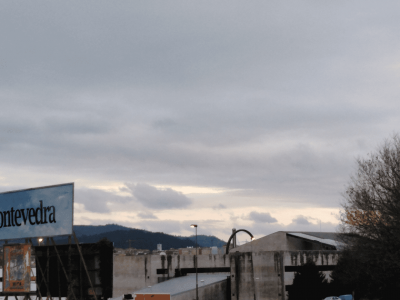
(245,114)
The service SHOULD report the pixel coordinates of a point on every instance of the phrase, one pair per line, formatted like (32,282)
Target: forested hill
(206,240)
(140,239)
(99,229)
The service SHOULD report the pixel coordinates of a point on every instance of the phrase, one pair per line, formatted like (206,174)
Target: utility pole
(130,243)
(197,279)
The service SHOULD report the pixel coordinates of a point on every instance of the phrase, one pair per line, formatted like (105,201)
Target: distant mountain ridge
(97,229)
(205,240)
(141,239)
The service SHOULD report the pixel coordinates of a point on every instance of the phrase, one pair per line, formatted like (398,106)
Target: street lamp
(197,285)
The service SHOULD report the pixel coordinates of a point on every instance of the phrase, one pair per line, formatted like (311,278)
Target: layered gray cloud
(100,201)
(147,215)
(219,206)
(154,198)
(142,195)
(260,229)
(301,220)
(259,217)
(265,101)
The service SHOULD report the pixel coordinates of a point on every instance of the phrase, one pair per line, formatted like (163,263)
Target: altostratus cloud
(260,217)
(154,198)
(301,220)
(146,215)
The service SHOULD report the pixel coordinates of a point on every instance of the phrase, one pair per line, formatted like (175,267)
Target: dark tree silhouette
(371,223)
(308,284)
(345,276)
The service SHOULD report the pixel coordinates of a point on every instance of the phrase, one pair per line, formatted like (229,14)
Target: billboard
(38,212)
(17,268)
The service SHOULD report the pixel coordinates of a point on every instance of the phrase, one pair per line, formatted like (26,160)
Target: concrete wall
(299,258)
(192,251)
(132,273)
(256,275)
(215,291)
(262,275)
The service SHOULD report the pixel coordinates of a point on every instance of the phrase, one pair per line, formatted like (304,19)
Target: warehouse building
(261,269)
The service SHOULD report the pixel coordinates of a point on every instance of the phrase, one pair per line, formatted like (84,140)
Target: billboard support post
(47,273)
(62,266)
(84,264)
(40,295)
(45,283)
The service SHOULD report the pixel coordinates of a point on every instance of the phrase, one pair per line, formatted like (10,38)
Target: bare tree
(372,207)
(371,218)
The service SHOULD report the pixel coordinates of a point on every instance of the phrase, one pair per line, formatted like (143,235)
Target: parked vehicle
(342,297)
(346,297)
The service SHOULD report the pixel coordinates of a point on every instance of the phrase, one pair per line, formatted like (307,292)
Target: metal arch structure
(233,234)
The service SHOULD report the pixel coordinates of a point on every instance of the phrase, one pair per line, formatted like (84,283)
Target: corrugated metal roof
(183,284)
(326,241)
(321,234)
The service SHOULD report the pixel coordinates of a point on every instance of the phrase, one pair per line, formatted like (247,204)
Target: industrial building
(261,269)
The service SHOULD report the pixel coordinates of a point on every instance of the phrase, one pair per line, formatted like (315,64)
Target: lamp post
(197,285)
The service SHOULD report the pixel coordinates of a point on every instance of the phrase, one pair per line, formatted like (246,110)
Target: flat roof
(312,237)
(182,284)
(322,235)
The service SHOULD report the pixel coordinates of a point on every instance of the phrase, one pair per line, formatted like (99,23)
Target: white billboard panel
(38,212)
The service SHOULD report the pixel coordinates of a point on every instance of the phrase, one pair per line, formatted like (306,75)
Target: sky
(227,114)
